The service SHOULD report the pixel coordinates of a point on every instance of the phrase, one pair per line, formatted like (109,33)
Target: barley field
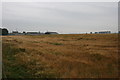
(60,56)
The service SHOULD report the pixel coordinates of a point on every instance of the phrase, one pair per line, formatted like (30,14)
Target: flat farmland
(60,56)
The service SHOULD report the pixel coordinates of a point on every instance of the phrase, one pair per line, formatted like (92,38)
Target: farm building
(51,33)
(33,33)
(105,32)
(14,32)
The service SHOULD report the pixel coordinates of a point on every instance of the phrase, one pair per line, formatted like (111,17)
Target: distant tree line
(3,31)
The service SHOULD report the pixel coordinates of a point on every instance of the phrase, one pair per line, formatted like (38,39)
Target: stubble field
(60,56)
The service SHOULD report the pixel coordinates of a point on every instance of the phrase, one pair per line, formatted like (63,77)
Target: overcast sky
(60,0)
(63,17)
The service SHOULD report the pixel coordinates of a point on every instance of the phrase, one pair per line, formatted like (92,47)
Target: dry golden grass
(68,55)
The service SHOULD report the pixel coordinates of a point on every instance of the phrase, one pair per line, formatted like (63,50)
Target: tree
(24,32)
(4,31)
(0,31)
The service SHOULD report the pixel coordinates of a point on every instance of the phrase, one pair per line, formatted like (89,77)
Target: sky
(62,17)
(60,0)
